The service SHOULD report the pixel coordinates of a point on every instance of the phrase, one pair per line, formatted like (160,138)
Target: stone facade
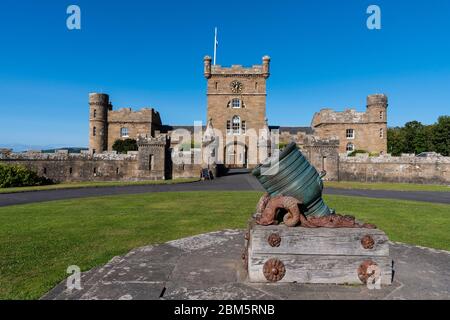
(108,125)
(356,130)
(236,105)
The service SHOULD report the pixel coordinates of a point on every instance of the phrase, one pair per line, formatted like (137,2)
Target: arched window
(124,132)
(236,103)
(94,131)
(350,147)
(236,125)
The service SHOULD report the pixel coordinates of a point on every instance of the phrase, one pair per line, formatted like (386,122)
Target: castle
(237,135)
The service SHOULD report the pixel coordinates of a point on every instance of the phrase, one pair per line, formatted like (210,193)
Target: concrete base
(209,266)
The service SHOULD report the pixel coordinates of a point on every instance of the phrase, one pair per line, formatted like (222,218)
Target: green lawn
(95,184)
(386,186)
(39,241)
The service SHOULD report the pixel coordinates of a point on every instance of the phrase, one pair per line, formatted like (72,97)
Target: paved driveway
(233,182)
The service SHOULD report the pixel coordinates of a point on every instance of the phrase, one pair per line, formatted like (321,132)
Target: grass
(386,186)
(94,184)
(39,241)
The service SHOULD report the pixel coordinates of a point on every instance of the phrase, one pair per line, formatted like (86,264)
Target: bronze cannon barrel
(291,174)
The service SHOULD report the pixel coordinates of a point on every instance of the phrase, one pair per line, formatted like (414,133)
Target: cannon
(292,175)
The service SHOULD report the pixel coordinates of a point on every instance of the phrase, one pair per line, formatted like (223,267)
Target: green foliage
(188,146)
(123,146)
(354,152)
(441,136)
(282,145)
(20,176)
(415,137)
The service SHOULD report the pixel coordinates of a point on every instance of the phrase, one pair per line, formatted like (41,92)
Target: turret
(266,66)
(98,122)
(376,107)
(207,67)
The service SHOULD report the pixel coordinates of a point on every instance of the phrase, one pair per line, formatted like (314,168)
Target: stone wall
(186,169)
(407,169)
(62,166)
(323,155)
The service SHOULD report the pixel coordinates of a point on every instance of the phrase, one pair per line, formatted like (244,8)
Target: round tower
(98,122)
(376,107)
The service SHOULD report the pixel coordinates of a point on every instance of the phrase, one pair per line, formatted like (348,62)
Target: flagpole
(215,44)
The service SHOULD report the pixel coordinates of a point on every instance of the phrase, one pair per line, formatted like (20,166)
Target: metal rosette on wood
(274,270)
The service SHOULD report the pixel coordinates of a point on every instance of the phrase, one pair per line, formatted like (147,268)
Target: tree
(415,137)
(396,141)
(441,136)
(123,146)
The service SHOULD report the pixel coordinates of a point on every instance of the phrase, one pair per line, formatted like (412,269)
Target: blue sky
(149,53)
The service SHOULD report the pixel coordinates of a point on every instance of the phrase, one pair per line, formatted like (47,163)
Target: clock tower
(236,105)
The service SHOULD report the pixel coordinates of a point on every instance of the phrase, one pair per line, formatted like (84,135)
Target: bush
(354,152)
(123,146)
(20,176)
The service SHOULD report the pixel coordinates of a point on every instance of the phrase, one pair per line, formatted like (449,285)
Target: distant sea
(43,148)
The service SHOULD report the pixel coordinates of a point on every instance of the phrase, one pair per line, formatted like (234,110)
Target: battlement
(331,116)
(128,115)
(237,70)
(377,99)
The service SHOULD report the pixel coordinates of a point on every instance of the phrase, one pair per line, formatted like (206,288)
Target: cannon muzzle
(291,174)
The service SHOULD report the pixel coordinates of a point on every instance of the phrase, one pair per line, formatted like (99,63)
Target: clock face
(236,86)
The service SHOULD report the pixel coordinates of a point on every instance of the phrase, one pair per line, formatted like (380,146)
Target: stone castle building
(356,130)
(107,125)
(236,108)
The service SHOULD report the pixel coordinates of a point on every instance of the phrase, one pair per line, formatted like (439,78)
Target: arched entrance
(236,155)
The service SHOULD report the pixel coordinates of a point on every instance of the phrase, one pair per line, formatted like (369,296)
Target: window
(228,127)
(70,170)
(217,86)
(256,86)
(94,131)
(236,125)
(150,162)
(381,133)
(236,103)
(95,171)
(117,170)
(124,132)
(350,134)
(243,126)
(95,113)
(381,115)
(350,147)
(45,170)
(93,151)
